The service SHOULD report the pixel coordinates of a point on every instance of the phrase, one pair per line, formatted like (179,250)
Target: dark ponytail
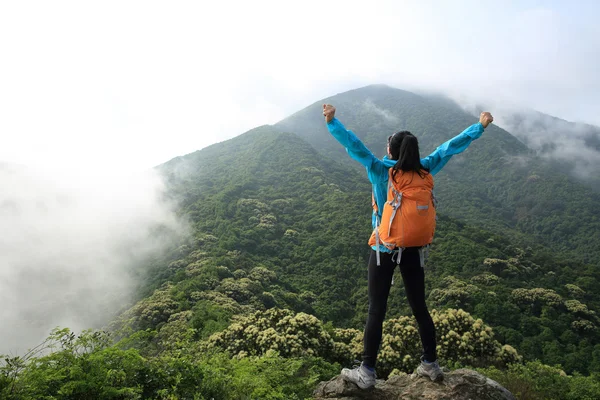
(404,147)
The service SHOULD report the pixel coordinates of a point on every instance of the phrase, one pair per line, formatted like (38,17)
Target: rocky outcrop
(462,384)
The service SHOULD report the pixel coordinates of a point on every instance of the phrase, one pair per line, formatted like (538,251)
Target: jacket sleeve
(440,156)
(376,170)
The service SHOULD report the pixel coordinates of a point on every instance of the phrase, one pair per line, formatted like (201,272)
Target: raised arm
(440,156)
(355,148)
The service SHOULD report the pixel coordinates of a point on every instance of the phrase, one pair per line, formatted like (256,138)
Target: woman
(404,160)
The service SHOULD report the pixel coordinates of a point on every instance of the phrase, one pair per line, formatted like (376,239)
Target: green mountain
(267,295)
(303,211)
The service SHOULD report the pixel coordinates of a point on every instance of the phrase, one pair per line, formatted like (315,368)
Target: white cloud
(372,107)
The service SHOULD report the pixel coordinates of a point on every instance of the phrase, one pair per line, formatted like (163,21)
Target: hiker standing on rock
(403,227)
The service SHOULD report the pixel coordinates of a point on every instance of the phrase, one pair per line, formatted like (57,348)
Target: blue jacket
(377,169)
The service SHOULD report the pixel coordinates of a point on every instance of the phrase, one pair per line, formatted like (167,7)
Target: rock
(462,384)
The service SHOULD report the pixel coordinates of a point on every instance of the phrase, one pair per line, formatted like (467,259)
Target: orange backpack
(409,215)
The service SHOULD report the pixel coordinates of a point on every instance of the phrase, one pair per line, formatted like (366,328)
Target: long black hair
(404,147)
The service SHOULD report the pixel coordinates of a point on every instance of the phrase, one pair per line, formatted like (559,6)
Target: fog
(69,245)
(573,146)
(573,143)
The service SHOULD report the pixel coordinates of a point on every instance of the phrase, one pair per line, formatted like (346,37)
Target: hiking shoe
(430,370)
(361,376)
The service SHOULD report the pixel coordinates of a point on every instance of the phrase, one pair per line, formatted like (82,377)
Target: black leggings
(380,280)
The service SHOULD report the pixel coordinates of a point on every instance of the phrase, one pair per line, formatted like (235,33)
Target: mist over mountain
(72,248)
(571,146)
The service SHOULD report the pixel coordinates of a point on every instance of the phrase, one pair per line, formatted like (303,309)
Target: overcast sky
(100,85)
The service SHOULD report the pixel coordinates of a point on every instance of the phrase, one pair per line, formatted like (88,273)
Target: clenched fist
(328,112)
(486,118)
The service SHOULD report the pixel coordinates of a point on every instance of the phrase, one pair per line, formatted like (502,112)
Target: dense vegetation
(267,296)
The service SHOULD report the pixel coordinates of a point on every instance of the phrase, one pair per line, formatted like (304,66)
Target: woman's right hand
(328,112)
(485,118)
